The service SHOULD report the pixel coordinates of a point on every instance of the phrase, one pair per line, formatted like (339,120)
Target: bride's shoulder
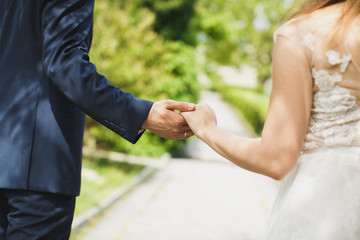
(319,21)
(292,29)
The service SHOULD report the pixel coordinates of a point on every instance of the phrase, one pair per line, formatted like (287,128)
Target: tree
(134,57)
(173,18)
(240,32)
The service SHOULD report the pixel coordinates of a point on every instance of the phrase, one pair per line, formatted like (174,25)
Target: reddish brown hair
(350,11)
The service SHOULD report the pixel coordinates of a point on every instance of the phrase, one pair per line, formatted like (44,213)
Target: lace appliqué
(324,81)
(335,114)
(334,59)
(309,42)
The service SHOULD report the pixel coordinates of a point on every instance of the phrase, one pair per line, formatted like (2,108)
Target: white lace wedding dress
(320,198)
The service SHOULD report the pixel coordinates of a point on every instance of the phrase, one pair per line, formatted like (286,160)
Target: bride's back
(335,115)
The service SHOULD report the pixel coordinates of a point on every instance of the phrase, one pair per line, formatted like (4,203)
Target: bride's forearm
(269,158)
(276,153)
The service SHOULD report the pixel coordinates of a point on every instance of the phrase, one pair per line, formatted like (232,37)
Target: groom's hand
(165,122)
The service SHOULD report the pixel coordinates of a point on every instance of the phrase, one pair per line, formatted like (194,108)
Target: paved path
(226,119)
(205,199)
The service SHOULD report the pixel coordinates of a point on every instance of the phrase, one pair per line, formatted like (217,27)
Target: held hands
(201,120)
(165,122)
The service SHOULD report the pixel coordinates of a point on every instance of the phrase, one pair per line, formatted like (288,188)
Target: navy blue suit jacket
(46,85)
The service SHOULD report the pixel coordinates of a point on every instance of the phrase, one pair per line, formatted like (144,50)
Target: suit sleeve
(67,32)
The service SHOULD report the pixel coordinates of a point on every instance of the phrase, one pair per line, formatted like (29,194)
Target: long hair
(309,6)
(350,11)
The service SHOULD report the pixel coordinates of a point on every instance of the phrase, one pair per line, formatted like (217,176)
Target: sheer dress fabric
(320,198)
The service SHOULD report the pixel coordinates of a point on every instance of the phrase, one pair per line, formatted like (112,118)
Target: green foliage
(251,104)
(173,18)
(129,48)
(135,58)
(240,32)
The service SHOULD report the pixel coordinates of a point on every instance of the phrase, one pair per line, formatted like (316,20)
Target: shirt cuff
(141,131)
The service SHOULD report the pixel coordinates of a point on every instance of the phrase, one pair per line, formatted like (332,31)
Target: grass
(100,178)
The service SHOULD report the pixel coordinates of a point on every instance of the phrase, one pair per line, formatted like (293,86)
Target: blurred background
(214,51)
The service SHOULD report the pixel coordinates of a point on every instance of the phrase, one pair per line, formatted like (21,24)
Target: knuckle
(168,101)
(183,105)
(175,131)
(178,122)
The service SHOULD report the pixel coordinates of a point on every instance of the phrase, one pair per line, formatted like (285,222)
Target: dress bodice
(335,114)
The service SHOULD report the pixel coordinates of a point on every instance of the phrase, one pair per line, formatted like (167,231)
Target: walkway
(203,199)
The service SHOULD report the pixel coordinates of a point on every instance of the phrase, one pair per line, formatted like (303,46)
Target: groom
(46,85)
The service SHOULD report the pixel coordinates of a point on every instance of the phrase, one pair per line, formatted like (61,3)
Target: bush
(135,58)
(173,18)
(251,104)
(240,32)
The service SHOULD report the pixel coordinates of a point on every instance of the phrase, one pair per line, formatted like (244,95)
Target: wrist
(145,125)
(205,132)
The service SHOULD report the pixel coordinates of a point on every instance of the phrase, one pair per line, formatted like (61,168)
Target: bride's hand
(200,120)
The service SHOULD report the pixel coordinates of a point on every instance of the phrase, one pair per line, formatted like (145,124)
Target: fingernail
(191,106)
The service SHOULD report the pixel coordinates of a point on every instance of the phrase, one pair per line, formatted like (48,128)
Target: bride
(311,136)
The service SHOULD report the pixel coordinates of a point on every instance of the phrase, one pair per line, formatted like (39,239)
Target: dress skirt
(320,198)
